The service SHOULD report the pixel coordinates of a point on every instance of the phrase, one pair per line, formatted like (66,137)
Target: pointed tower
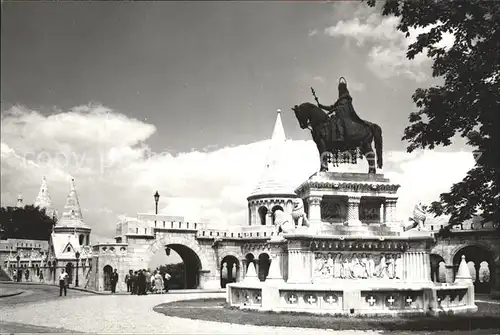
(274,190)
(20,201)
(43,200)
(71,220)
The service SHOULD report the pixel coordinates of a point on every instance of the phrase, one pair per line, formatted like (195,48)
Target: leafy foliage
(177,273)
(29,222)
(468,103)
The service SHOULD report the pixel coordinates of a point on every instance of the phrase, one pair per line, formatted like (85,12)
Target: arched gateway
(194,258)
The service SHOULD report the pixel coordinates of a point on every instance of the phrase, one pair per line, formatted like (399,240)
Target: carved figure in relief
(329,265)
(355,267)
(298,214)
(370,266)
(364,265)
(318,265)
(337,266)
(381,269)
(348,268)
(390,267)
(399,267)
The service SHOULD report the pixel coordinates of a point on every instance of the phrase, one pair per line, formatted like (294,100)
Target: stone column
(450,273)
(243,269)
(353,211)
(390,210)
(495,278)
(427,257)
(256,263)
(269,219)
(382,212)
(314,211)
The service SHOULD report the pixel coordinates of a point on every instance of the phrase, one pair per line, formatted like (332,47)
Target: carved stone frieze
(363,265)
(382,245)
(349,186)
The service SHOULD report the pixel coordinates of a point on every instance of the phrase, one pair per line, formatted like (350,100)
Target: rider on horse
(341,109)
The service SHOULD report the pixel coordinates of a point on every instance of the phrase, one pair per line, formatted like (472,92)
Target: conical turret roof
(273,181)
(72,213)
(43,199)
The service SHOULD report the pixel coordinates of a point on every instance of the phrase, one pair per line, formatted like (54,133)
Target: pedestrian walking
(165,281)
(63,280)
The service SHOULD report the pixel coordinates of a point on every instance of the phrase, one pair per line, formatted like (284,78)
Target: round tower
(71,220)
(274,190)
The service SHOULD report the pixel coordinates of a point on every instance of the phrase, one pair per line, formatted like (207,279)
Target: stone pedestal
(314,217)
(300,260)
(390,211)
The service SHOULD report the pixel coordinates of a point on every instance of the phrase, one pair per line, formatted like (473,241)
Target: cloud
(117,174)
(313,32)
(387,46)
(319,79)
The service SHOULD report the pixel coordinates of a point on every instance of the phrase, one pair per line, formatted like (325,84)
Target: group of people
(18,275)
(141,282)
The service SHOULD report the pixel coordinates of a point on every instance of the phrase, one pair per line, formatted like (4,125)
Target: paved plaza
(40,309)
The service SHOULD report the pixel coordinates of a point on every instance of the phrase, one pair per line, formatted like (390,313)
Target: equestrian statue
(340,129)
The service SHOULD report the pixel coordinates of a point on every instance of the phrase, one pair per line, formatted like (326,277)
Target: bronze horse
(357,134)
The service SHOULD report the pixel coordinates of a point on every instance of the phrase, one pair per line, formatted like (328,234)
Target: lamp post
(17,274)
(77,255)
(157,198)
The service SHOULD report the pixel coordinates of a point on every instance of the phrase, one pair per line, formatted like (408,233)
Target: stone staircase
(4,276)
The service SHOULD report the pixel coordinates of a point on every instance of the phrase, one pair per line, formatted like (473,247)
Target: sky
(133,97)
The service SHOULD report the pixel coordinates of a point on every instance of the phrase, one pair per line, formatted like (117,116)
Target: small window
(68,249)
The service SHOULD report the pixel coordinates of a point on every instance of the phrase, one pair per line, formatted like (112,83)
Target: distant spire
(278,131)
(278,139)
(43,199)
(273,179)
(20,203)
(72,213)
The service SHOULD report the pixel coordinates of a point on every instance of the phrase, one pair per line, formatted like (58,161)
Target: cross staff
(314,95)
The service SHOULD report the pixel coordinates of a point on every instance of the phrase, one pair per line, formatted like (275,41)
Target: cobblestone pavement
(134,314)
(35,293)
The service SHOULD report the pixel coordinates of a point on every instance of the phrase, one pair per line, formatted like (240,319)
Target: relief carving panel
(328,266)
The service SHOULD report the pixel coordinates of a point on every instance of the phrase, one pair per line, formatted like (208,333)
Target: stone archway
(264,264)
(229,272)
(107,271)
(435,266)
(262,214)
(198,272)
(481,259)
(190,276)
(69,271)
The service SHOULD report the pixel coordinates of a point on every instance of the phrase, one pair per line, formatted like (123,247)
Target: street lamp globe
(77,255)
(157,196)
